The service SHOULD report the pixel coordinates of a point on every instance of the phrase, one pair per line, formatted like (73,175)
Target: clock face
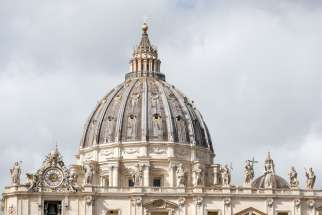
(53,177)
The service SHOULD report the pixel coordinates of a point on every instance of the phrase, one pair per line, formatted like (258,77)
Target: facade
(146,150)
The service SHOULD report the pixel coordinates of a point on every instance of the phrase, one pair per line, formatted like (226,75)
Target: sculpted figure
(249,172)
(15,174)
(89,173)
(310,178)
(180,176)
(198,176)
(225,175)
(293,177)
(138,176)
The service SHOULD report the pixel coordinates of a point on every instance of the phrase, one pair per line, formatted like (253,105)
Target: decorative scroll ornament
(311,203)
(181,201)
(53,176)
(136,201)
(89,200)
(227,202)
(198,200)
(11,210)
(270,202)
(297,203)
(158,150)
(107,153)
(130,151)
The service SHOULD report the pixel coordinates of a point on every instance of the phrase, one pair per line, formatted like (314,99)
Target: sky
(253,69)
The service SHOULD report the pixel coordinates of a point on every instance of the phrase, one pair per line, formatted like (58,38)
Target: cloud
(252,68)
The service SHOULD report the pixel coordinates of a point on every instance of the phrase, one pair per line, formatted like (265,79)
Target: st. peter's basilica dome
(145,108)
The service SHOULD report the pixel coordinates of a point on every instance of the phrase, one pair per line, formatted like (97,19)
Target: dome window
(156,116)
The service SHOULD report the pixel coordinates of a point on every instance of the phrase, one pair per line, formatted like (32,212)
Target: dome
(145,108)
(277,182)
(269,179)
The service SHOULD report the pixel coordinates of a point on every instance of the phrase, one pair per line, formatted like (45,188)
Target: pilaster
(146,180)
(172,167)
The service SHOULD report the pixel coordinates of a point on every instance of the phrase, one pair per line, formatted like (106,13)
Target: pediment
(160,204)
(250,211)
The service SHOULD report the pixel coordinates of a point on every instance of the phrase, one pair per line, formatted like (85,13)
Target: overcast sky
(253,69)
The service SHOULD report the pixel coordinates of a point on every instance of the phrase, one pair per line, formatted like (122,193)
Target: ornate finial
(269,156)
(145,28)
(145,61)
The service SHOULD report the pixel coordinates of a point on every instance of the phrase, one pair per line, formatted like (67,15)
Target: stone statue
(180,176)
(138,176)
(269,171)
(249,171)
(89,173)
(293,177)
(225,175)
(198,176)
(131,129)
(15,174)
(310,178)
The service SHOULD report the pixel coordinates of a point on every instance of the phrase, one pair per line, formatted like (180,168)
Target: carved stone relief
(182,152)
(158,150)
(130,151)
(108,153)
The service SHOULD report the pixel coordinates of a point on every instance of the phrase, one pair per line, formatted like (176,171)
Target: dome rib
(120,115)
(108,103)
(167,111)
(144,124)
(108,97)
(204,128)
(185,113)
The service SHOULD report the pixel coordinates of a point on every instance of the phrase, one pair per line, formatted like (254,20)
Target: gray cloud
(253,69)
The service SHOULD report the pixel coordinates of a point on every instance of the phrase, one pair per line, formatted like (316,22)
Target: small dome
(145,108)
(277,182)
(270,179)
